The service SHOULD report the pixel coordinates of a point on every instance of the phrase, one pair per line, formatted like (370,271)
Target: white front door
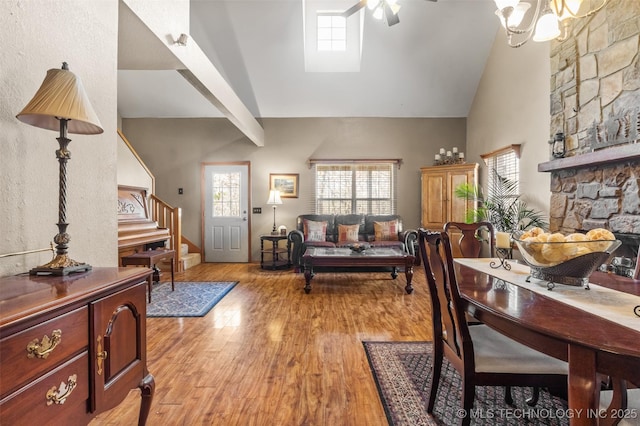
(226,212)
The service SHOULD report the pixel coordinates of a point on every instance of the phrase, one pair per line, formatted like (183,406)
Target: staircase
(187,253)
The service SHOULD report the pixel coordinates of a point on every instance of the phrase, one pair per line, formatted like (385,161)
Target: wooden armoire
(439,203)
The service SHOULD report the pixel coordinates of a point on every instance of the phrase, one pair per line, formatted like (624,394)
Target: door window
(225,188)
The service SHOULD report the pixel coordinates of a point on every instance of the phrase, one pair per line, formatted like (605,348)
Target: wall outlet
(257,210)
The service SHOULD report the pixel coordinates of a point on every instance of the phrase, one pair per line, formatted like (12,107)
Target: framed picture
(287,184)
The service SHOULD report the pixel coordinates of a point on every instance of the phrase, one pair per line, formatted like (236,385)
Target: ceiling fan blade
(353,9)
(392,18)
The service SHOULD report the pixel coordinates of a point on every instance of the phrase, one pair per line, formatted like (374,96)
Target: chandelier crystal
(547,19)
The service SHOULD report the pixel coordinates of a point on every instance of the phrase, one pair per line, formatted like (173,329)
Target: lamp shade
(61,96)
(501,4)
(546,27)
(516,16)
(274,197)
(566,8)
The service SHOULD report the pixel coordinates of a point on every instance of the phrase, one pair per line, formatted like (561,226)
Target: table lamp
(61,104)
(274,199)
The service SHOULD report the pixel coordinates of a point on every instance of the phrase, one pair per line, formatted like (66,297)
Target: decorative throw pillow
(386,231)
(315,231)
(348,233)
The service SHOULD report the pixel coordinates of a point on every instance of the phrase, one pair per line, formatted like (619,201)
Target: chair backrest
(449,321)
(472,235)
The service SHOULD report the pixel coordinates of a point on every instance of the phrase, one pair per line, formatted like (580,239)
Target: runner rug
(402,372)
(190,299)
(609,304)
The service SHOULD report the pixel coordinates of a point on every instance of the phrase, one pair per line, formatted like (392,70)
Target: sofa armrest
(296,239)
(411,241)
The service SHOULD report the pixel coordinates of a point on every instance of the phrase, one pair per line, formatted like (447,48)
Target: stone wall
(595,73)
(595,101)
(597,197)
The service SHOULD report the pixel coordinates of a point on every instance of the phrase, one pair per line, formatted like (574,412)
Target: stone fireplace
(595,101)
(598,190)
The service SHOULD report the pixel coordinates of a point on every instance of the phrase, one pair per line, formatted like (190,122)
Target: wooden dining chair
(471,237)
(470,244)
(481,355)
(621,405)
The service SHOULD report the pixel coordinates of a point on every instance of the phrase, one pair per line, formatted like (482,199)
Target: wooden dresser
(72,346)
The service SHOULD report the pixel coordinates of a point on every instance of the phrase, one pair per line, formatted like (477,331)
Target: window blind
(505,163)
(346,188)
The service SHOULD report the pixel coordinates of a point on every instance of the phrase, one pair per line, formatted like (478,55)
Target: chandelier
(549,19)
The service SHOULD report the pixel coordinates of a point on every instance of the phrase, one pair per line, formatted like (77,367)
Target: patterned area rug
(190,299)
(402,372)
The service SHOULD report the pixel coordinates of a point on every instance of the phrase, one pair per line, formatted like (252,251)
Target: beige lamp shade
(61,96)
(274,197)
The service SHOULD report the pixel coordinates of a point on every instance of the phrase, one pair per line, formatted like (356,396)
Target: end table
(276,258)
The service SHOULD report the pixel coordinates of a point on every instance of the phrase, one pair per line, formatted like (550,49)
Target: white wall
(37,36)
(511,106)
(131,171)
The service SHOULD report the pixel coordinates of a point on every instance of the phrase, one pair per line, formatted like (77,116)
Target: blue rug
(190,299)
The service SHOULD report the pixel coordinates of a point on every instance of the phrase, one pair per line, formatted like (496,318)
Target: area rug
(190,299)
(402,372)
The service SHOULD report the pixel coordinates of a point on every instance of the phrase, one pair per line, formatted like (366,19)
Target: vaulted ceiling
(428,65)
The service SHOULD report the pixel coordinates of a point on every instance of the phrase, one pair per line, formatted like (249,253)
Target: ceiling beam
(194,65)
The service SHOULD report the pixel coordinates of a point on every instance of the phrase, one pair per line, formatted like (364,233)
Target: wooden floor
(269,354)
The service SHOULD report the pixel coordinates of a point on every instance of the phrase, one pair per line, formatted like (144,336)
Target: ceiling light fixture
(387,9)
(549,19)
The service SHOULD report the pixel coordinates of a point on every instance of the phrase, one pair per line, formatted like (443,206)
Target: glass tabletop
(345,251)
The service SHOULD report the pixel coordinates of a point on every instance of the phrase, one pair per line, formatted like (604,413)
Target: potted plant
(504,208)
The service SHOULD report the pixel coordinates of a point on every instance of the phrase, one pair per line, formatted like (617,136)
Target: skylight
(332,32)
(332,43)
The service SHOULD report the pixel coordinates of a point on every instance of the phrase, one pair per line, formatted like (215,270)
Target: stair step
(188,260)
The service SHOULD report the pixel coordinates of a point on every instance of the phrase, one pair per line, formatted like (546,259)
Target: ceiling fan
(387,8)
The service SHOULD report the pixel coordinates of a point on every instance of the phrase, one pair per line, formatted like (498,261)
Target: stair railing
(171,218)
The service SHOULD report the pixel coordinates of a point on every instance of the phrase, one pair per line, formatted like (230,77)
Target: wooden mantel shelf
(612,155)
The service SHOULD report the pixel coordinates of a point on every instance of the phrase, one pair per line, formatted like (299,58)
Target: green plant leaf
(504,208)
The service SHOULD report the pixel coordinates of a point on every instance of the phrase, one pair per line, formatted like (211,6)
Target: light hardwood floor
(269,354)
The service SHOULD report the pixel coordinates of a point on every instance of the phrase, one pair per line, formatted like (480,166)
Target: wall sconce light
(182,40)
(558,145)
(61,104)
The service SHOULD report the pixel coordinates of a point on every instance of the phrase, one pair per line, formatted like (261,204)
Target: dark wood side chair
(470,243)
(481,355)
(471,236)
(622,405)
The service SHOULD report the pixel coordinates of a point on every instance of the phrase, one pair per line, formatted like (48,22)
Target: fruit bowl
(567,259)
(359,247)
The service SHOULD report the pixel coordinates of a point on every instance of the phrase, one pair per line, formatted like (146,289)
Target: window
(226,194)
(362,187)
(504,162)
(332,33)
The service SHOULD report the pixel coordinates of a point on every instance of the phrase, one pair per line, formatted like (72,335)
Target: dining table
(595,328)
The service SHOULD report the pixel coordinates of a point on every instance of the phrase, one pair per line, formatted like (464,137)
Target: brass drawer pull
(100,355)
(59,396)
(36,349)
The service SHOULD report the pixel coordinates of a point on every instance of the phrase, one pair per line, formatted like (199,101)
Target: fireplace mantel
(612,155)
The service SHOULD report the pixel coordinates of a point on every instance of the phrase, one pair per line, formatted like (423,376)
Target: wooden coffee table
(346,258)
